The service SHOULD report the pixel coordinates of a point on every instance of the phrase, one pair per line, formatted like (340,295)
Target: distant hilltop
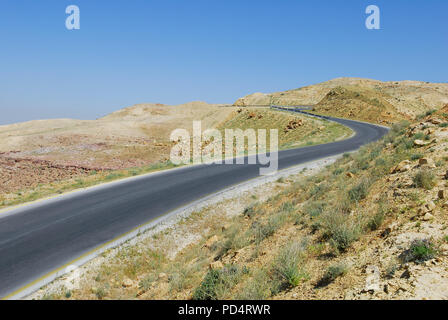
(363,99)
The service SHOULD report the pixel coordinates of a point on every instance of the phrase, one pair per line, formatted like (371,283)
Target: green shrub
(257,288)
(235,239)
(424,179)
(287,268)
(338,171)
(287,207)
(315,208)
(340,230)
(319,189)
(360,191)
(419,251)
(333,272)
(262,231)
(416,156)
(377,220)
(217,283)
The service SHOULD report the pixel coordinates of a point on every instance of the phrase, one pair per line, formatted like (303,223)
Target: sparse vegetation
(333,272)
(424,179)
(294,242)
(287,269)
(419,251)
(217,283)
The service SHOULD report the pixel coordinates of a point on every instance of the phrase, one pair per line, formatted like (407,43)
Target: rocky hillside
(364,99)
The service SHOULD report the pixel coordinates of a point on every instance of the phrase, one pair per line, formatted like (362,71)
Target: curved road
(39,238)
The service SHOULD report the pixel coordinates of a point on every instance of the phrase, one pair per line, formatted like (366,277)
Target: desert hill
(121,139)
(364,99)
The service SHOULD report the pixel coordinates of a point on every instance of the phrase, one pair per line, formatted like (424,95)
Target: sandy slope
(132,136)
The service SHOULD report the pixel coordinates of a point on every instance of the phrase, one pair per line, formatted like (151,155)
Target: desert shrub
(257,288)
(396,129)
(235,239)
(340,230)
(262,231)
(338,171)
(332,273)
(314,208)
(416,156)
(360,191)
(419,135)
(101,293)
(363,164)
(287,268)
(217,283)
(147,282)
(287,207)
(377,220)
(319,189)
(419,251)
(424,179)
(183,275)
(250,211)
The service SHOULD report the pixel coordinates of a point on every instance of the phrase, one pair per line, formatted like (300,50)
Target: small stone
(420,143)
(428,217)
(403,166)
(427,162)
(435,121)
(127,283)
(216,265)
(431,205)
(163,276)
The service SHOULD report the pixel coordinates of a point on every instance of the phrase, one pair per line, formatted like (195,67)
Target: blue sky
(171,52)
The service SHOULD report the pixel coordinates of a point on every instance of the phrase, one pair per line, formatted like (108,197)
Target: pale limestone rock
(216,265)
(373,279)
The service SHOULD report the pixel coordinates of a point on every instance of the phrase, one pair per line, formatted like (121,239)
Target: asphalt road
(37,239)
